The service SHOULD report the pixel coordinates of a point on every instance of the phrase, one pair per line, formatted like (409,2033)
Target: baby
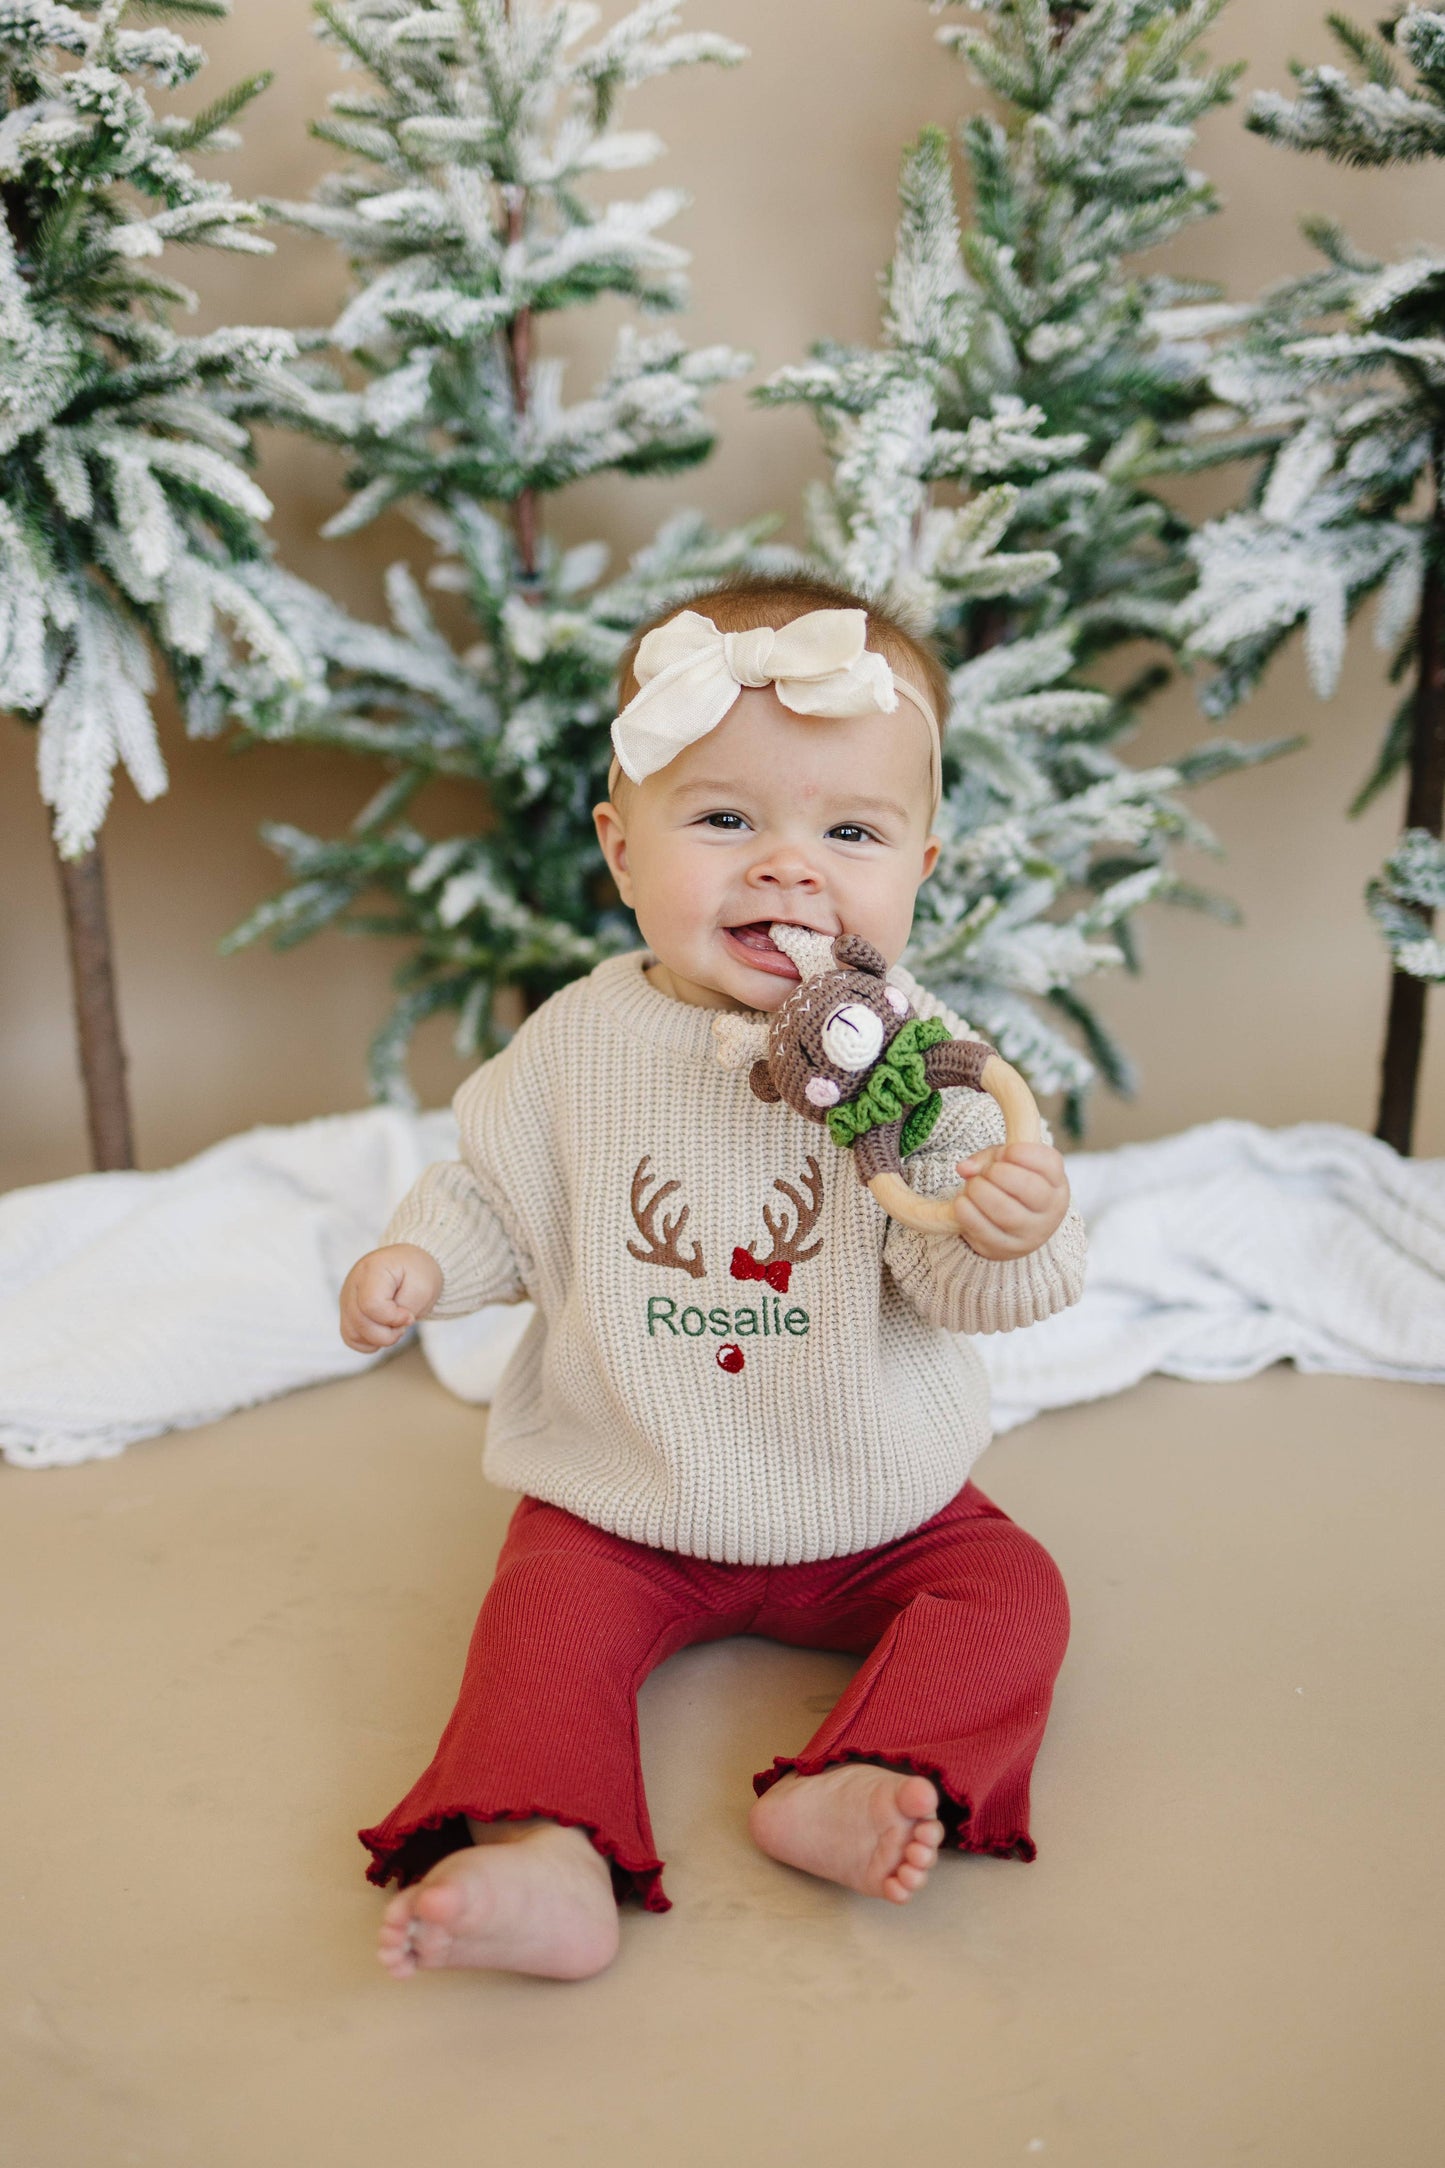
(746,1402)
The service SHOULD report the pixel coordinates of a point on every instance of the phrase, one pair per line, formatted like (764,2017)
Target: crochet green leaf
(898,1088)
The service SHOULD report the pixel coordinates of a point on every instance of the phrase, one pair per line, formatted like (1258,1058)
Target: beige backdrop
(791,162)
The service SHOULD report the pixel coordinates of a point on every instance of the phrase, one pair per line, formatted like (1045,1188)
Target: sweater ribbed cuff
(950,1285)
(446,1215)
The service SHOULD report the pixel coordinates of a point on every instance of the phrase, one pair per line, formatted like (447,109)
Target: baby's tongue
(757,939)
(755,936)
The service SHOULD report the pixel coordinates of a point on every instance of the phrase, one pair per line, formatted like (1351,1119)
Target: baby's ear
(855,954)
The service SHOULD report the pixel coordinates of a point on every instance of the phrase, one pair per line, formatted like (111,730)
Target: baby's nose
(787,867)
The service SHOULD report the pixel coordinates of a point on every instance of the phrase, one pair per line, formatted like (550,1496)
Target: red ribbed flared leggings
(963,1625)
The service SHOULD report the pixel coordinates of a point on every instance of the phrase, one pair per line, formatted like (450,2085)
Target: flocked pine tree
(993,472)
(128,523)
(469,212)
(1341,374)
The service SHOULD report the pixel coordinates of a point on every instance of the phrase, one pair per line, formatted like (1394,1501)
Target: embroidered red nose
(730,1358)
(746,1267)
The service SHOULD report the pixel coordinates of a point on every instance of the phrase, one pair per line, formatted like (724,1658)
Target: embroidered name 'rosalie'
(768,1319)
(788,1227)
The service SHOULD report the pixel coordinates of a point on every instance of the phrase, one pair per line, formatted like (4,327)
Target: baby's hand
(1016,1196)
(384,1294)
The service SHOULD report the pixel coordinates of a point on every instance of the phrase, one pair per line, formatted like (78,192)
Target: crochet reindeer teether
(846,1050)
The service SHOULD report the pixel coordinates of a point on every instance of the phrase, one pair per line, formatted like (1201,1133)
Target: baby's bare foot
(874,1830)
(528,1897)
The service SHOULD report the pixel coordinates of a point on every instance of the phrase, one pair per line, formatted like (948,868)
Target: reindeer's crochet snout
(834,1027)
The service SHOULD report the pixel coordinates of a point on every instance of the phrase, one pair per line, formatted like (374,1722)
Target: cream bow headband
(689,674)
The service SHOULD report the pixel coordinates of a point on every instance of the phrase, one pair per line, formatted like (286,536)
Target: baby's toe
(438,1904)
(395,1932)
(920,1855)
(439,1907)
(394,1940)
(916,1798)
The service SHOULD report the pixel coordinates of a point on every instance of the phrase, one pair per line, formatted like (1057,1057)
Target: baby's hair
(750,599)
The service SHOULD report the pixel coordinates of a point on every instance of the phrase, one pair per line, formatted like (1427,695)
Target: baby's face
(813,821)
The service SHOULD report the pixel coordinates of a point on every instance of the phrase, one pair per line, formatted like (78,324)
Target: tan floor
(227,1649)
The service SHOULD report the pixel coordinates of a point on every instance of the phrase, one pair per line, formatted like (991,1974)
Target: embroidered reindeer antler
(664,1251)
(788,1246)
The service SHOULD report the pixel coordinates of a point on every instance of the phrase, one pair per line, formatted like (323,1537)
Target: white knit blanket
(132,1304)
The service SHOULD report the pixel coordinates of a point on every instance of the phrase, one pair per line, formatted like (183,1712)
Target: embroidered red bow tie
(747,1267)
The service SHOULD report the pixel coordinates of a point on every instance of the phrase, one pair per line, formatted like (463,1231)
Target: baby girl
(747,1402)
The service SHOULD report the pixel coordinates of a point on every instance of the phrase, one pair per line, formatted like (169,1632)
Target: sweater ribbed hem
(544,1465)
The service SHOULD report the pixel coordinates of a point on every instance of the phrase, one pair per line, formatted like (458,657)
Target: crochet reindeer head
(846,1050)
(824,1041)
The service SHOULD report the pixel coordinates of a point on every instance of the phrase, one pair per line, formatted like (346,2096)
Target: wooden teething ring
(935,1215)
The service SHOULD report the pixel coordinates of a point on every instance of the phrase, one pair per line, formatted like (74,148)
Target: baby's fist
(1015,1198)
(384,1294)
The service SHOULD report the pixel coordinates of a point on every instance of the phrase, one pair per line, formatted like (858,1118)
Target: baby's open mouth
(756,935)
(760,949)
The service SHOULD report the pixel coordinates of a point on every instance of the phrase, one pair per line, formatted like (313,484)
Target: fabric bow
(689,674)
(777,1274)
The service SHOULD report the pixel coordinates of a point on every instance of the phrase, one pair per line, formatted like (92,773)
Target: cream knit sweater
(612,1170)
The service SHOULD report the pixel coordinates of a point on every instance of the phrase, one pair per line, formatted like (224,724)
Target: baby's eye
(730,823)
(852,832)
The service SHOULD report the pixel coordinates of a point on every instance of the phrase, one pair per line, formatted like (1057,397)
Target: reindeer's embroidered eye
(853,1036)
(821,1091)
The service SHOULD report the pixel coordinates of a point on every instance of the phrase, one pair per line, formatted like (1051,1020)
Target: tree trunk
(989,626)
(97,1023)
(519,362)
(524,507)
(1424,808)
(519,367)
